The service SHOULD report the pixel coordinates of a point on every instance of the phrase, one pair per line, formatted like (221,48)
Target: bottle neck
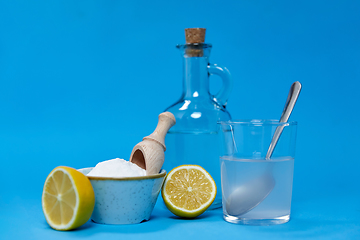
(195,70)
(195,77)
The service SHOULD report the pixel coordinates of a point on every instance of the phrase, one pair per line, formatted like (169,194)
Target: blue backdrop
(84,81)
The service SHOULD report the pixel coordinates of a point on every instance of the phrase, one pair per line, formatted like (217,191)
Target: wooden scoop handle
(166,121)
(149,154)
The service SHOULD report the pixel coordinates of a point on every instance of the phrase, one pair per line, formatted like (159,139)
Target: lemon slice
(188,191)
(68,198)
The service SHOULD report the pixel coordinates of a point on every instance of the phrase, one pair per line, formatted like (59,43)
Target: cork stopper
(193,36)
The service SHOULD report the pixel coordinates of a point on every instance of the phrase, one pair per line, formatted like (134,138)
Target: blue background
(84,81)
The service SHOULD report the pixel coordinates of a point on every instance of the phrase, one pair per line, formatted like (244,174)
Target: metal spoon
(249,195)
(289,105)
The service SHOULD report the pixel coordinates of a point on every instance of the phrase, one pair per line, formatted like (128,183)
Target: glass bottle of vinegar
(194,138)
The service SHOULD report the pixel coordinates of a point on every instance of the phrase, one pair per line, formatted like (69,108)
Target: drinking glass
(256,190)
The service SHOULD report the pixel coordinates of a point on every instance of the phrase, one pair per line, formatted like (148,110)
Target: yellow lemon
(68,198)
(188,191)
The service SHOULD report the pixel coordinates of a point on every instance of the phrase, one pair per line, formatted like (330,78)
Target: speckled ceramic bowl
(124,200)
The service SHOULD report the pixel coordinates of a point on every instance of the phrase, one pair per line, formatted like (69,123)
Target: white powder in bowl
(116,168)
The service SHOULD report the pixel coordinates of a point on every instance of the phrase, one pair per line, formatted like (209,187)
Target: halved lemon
(68,198)
(188,191)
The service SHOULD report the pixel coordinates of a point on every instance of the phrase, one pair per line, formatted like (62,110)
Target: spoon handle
(289,105)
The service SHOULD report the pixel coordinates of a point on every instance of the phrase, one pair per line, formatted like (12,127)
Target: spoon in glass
(249,195)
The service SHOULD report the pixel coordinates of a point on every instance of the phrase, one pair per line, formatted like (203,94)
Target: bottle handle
(222,96)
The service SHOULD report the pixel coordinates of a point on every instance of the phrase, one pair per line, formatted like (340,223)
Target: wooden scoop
(149,154)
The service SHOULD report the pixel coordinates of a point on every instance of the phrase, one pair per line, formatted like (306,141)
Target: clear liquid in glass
(275,208)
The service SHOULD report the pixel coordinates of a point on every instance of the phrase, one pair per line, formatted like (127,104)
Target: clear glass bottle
(194,138)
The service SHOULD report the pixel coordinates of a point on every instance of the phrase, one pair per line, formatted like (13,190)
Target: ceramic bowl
(124,200)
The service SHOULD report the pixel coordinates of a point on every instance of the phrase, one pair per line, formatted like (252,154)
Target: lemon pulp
(188,190)
(68,198)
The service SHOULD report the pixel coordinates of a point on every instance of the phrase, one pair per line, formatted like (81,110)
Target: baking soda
(116,168)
